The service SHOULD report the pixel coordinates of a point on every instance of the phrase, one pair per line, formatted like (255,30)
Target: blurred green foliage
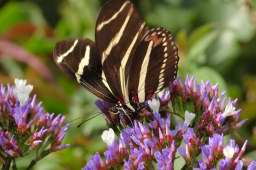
(216,40)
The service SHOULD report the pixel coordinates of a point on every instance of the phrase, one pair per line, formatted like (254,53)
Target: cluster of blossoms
(162,138)
(25,126)
(216,112)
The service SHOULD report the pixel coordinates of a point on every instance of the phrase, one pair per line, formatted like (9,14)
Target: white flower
(229,151)
(189,117)
(22,90)
(154,104)
(229,110)
(108,136)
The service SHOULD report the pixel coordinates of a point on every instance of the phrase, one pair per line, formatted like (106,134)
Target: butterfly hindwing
(80,60)
(154,64)
(163,62)
(119,30)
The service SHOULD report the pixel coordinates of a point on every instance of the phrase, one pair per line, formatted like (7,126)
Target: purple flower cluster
(24,125)
(154,144)
(162,138)
(217,113)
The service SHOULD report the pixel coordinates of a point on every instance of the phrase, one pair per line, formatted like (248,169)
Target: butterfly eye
(113,110)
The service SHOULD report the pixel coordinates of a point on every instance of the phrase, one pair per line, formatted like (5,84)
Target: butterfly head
(122,114)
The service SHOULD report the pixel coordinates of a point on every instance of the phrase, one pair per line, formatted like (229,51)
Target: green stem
(14,167)
(185,167)
(38,158)
(2,155)
(7,163)
(179,115)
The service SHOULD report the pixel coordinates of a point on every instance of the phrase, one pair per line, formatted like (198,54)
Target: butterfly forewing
(79,59)
(119,30)
(154,65)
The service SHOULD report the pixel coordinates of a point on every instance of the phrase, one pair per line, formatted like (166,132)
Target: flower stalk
(38,158)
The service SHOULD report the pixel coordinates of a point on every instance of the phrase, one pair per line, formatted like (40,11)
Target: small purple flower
(184,152)
(164,97)
(94,163)
(216,144)
(9,144)
(165,157)
(252,166)
(190,137)
(37,137)
(211,151)
(191,145)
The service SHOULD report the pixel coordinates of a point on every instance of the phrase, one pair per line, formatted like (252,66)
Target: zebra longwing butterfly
(127,64)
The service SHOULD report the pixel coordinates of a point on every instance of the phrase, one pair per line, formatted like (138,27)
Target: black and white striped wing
(80,60)
(119,30)
(154,65)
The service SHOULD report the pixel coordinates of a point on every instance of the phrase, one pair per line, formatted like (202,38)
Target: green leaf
(186,67)
(54,105)
(197,51)
(48,163)
(179,161)
(224,49)
(199,33)
(45,47)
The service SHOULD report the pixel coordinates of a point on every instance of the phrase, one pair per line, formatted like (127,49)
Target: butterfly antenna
(74,120)
(86,120)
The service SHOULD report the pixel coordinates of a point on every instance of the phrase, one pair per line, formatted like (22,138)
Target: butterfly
(127,64)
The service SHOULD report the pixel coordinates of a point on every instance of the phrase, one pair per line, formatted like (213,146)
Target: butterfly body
(128,63)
